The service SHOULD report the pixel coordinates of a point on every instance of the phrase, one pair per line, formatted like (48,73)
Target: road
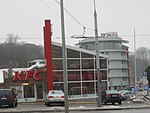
(39,107)
(116,111)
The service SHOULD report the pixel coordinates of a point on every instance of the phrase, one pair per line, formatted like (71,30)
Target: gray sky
(25,18)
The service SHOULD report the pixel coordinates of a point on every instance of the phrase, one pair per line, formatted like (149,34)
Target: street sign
(146,88)
(145,74)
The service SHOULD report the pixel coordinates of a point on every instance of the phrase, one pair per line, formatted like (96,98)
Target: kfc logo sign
(26,75)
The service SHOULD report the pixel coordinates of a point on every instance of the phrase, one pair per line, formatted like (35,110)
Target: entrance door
(29,91)
(39,90)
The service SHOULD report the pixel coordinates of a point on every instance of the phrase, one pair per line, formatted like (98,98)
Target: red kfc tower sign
(48,53)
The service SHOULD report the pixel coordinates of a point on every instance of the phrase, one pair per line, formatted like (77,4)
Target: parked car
(54,97)
(126,94)
(111,96)
(8,97)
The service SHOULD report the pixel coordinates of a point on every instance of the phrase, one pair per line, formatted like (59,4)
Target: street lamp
(99,100)
(135,73)
(64,56)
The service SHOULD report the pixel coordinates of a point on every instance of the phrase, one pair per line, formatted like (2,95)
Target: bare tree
(142,61)
(15,54)
(12,39)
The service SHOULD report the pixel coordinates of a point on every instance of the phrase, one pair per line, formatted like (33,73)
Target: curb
(83,109)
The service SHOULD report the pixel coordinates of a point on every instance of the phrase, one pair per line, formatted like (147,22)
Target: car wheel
(12,105)
(104,101)
(62,103)
(120,103)
(48,104)
(45,103)
(16,104)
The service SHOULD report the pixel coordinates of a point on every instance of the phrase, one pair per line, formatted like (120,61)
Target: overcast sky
(25,18)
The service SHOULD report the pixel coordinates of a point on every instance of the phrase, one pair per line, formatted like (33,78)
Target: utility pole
(64,56)
(99,100)
(135,73)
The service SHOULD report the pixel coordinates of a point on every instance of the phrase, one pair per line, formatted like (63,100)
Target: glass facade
(110,45)
(81,70)
(104,45)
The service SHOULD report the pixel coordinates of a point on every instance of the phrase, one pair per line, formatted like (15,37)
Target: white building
(112,45)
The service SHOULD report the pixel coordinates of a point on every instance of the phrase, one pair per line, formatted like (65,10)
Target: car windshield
(5,92)
(111,91)
(122,91)
(56,92)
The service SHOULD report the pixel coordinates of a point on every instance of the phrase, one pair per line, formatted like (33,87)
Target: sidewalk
(91,105)
(74,105)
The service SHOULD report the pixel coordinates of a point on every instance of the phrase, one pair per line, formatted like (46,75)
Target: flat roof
(80,49)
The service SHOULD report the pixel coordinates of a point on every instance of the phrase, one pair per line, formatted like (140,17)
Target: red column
(48,53)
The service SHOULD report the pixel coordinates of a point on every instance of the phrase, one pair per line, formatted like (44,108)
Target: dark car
(111,96)
(8,97)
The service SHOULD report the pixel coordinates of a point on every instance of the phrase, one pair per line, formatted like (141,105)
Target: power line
(38,38)
(49,7)
(57,14)
(135,35)
(84,28)
(74,17)
(57,37)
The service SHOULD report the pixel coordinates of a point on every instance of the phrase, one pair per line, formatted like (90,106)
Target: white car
(54,97)
(126,94)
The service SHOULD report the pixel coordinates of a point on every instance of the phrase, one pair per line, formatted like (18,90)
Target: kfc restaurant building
(33,83)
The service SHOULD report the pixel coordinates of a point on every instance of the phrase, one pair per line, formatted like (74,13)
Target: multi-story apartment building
(113,46)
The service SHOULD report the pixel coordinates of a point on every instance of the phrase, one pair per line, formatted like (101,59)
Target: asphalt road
(116,111)
(39,107)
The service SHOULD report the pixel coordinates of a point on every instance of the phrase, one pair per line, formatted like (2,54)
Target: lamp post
(64,56)
(99,100)
(135,77)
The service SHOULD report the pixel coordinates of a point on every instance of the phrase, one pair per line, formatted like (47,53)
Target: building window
(87,63)
(74,76)
(107,53)
(124,79)
(103,63)
(124,70)
(87,75)
(73,64)
(57,64)
(123,62)
(73,54)
(122,53)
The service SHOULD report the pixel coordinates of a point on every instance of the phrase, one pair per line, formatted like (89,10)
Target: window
(73,54)
(122,53)
(103,63)
(124,70)
(123,62)
(57,64)
(73,75)
(87,64)
(107,53)
(85,55)
(73,64)
(88,75)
